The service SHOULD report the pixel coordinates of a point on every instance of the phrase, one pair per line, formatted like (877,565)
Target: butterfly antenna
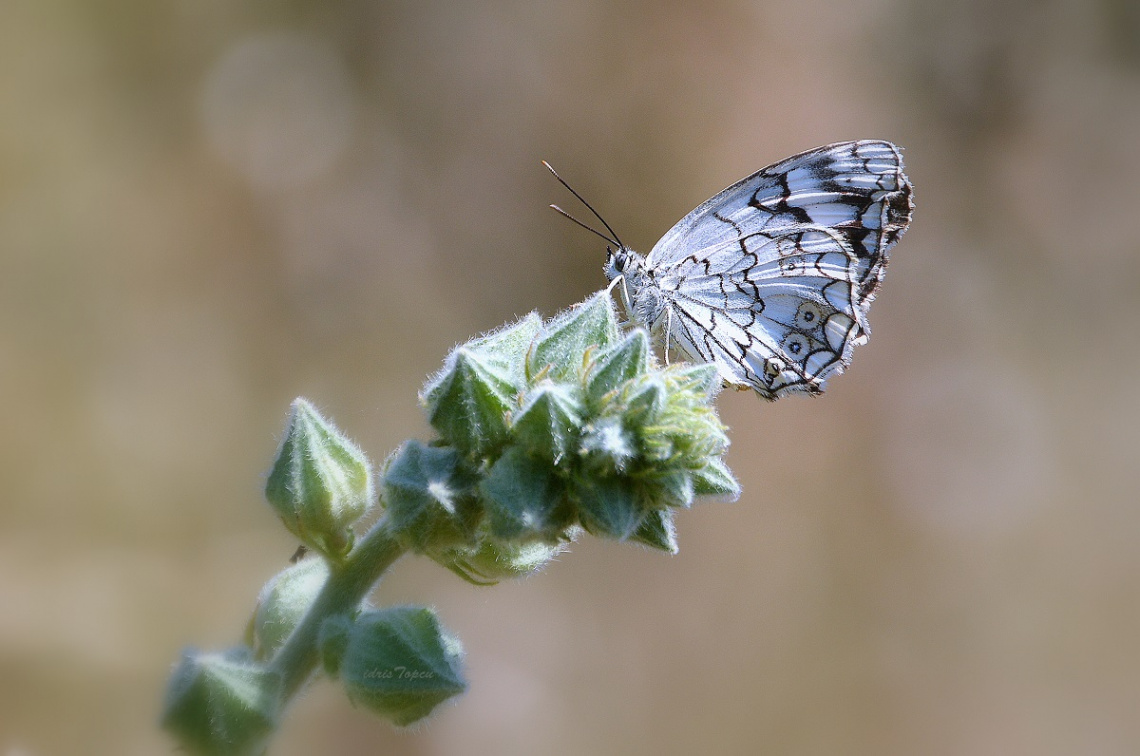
(615,240)
(583,225)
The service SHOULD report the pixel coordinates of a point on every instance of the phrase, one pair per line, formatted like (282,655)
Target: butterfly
(771,279)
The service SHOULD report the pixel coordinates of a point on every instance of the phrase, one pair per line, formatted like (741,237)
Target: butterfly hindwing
(779,319)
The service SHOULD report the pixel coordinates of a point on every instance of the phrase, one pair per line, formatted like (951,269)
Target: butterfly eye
(619,259)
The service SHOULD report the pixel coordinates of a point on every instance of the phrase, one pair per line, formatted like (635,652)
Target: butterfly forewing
(770,280)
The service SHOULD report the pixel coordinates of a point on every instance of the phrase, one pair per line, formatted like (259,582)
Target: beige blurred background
(208,208)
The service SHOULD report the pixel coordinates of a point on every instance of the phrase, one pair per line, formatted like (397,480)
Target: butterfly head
(621,261)
(616,262)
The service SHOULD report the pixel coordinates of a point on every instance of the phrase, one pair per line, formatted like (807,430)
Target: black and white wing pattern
(771,279)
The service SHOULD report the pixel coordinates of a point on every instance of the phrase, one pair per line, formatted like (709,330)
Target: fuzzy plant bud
(559,351)
(428,498)
(549,420)
(284,601)
(715,480)
(320,483)
(495,559)
(608,506)
(614,367)
(657,531)
(222,704)
(469,400)
(400,663)
(524,498)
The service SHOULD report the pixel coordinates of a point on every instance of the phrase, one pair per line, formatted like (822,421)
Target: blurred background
(208,208)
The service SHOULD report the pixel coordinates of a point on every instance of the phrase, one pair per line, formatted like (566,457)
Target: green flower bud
(715,479)
(400,663)
(284,601)
(222,704)
(468,402)
(469,399)
(687,429)
(524,498)
(495,560)
(701,381)
(622,362)
(507,347)
(320,483)
(549,421)
(559,352)
(608,506)
(657,531)
(671,487)
(642,401)
(587,431)
(428,497)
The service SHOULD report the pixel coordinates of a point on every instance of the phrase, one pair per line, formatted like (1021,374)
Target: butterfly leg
(624,297)
(613,283)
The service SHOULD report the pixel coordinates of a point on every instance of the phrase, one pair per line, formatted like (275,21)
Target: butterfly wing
(781,318)
(770,280)
(856,188)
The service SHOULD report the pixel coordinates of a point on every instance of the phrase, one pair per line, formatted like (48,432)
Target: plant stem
(349,582)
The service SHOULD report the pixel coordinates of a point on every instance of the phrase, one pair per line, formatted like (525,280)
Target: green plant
(546,430)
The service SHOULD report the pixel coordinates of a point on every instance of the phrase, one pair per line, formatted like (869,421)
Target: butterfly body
(771,279)
(645,299)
